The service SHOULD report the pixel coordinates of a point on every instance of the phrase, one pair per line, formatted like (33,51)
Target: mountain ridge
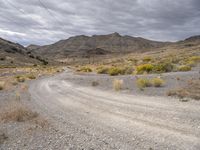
(81,44)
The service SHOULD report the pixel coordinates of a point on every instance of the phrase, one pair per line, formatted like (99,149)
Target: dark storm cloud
(46,21)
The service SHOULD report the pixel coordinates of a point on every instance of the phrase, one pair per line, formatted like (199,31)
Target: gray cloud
(29,22)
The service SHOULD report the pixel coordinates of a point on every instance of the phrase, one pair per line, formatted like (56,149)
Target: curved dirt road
(94,119)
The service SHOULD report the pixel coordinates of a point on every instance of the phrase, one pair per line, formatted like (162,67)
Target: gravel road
(90,118)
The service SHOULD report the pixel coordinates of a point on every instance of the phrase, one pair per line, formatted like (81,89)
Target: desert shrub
(117,84)
(2,85)
(113,71)
(184,68)
(102,70)
(20,78)
(127,70)
(85,69)
(163,67)
(175,60)
(31,76)
(17,112)
(95,83)
(157,82)
(180,93)
(191,90)
(147,59)
(142,83)
(191,63)
(144,68)
(195,58)
(133,60)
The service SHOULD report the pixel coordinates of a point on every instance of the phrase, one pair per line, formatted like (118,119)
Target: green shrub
(157,82)
(184,68)
(85,69)
(142,83)
(144,68)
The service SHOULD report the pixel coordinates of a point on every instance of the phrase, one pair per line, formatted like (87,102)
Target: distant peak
(197,37)
(115,34)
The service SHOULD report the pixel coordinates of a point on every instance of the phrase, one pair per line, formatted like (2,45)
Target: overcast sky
(47,21)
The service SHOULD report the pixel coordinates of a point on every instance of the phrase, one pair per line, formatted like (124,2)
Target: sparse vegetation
(191,63)
(2,85)
(117,84)
(181,93)
(17,112)
(115,71)
(20,79)
(195,58)
(163,67)
(192,90)
(31,76)
(147,59)
(143,82)
(157,82)
(102,70)
(145,68)
(184,68)
(85,69)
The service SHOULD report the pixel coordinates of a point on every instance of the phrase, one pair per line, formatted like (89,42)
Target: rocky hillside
(14,54)
(84,46)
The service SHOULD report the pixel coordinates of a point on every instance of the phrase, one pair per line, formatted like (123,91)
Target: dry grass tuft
(192,90)
(20,79)
(84,69)
(117,84)
(18,113)
(31,76)
(41,122)
(3,137)
(184,68)
(2,85)
(181,93)
(157,82)
(142,83)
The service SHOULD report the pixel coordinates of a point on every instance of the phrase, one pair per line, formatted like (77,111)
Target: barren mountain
(84,46)
(12,54)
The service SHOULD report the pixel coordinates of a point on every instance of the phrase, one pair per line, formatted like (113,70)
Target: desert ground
(74,110)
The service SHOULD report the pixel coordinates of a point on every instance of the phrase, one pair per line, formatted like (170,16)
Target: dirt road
(95,119)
